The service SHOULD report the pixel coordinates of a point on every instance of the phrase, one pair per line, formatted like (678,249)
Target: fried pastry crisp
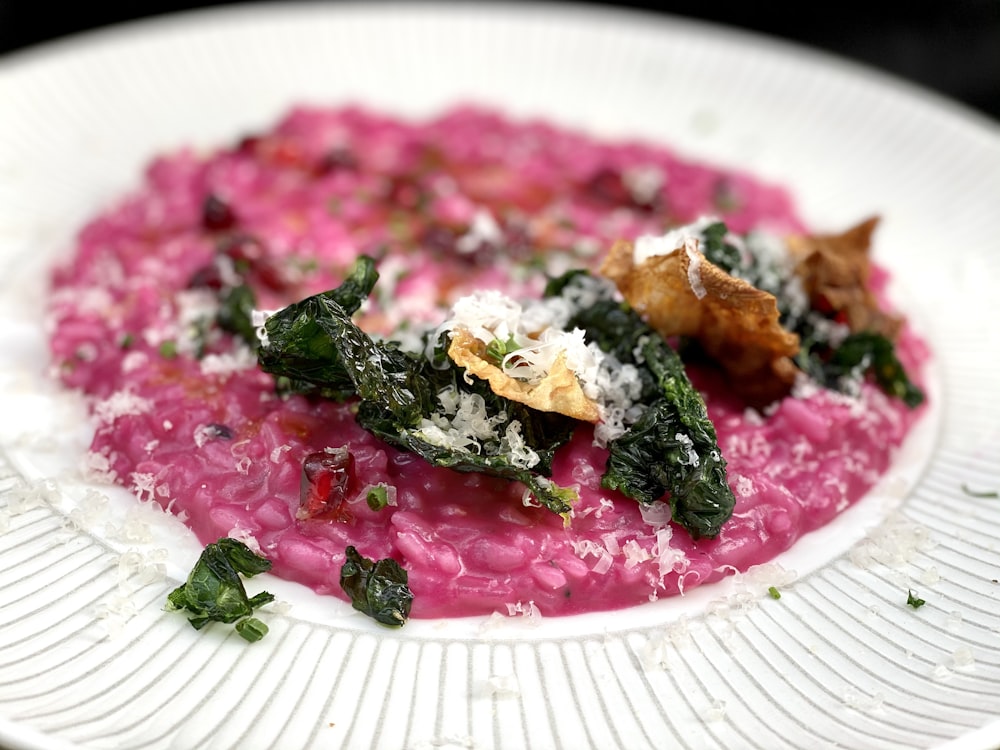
(558,391)
(835,270)
(681,293)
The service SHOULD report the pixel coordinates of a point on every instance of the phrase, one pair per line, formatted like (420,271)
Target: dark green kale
(673,446)
(214,591)
(235,315)
(379,589)
(716,250)
(864,352)
(543,432)
(316,347)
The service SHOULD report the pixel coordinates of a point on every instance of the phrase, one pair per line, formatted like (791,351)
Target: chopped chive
(378,497)
(913,600)
(989,494)
(774,593)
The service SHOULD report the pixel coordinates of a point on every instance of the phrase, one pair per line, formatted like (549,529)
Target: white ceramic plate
(89,659)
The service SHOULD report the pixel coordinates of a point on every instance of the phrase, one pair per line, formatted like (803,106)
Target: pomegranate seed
(327,481)
(216,214)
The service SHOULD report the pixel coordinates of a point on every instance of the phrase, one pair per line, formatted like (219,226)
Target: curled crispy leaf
(559,391)
(835,270)
(681,293)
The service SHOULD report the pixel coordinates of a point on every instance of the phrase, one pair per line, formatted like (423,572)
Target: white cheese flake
(649,246)
(120,404)
(694,268)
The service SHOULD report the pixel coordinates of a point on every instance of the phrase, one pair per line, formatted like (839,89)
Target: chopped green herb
(127,341)
(214,591)
(988,494)
(497,349)
(168,349)
(774,593)
(379,589)
(251,629)
(378,497)
(913,600)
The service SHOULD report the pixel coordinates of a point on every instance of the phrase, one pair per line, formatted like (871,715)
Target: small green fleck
(127,341)
(774,593)
(913,600)
(987,494)
(251,629)
(378,497)
(168,349)
(497,349)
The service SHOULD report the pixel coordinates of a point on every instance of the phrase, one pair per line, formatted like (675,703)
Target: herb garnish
(913,600)
(773,592)
(379,589)
(214,591)
(377,497)
(986,494)
(497,349)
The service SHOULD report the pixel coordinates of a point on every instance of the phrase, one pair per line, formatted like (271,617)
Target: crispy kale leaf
(673,446)
(214,591)
(379,589)
(867,352)
(315,346)
(542,432)
(302,339)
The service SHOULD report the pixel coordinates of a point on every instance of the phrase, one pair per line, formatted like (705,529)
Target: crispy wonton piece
(835,269)
(683,294)
(559,391)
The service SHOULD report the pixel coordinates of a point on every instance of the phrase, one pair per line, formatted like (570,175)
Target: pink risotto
(466,202)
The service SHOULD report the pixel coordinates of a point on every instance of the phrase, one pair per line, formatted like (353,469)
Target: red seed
(216,214)
(327,481)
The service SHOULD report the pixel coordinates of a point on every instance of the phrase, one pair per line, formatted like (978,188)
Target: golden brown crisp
(835,270)
(683,294)
(559,391)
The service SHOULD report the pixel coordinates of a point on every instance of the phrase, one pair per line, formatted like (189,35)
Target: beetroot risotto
(533,368)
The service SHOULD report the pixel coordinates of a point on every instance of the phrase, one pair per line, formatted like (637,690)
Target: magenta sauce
(204,435)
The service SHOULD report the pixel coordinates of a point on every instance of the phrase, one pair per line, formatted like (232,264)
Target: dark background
(949,46)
